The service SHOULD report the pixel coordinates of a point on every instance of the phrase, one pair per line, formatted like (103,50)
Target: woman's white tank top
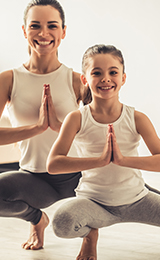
(24,110)
(110,185)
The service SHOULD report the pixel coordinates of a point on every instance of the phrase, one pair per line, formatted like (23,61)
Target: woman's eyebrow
(52,22)
(47,22)
(35,22)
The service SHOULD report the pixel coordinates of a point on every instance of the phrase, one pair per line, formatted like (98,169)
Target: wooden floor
(119,242)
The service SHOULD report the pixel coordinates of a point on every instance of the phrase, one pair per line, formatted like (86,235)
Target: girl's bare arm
(148,133)
(59,162)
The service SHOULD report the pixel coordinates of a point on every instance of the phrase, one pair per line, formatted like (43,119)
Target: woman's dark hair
(53,3)
(90,52)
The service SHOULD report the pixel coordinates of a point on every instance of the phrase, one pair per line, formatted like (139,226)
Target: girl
(111,189)
(24,193)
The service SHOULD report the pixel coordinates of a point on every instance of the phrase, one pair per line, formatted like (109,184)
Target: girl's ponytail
(86,96)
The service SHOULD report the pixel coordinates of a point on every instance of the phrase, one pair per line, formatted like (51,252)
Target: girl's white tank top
(110,185)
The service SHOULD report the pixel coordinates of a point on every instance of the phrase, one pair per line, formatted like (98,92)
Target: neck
(105,105)
(106,111)
(42,64)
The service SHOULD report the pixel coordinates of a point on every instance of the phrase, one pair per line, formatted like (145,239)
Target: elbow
(54,165)
(51,169)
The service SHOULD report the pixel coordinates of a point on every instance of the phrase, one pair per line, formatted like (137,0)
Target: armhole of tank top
(84,112)
(13,90)
(133,121)
(70,84)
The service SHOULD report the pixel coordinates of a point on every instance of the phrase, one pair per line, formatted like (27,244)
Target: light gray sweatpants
(76,217)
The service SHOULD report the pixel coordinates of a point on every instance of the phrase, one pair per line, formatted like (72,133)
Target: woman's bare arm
(14,134)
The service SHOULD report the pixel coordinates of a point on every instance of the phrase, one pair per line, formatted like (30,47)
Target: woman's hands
(111,151)
(47,114)
(43,114)
(53,121)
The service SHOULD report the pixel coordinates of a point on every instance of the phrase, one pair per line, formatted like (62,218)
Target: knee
(64,225)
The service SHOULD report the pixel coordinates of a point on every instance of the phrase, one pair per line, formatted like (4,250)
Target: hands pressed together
(47,114)
(111,151)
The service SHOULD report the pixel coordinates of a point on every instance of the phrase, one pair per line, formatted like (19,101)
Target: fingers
(49,97)
(46,91)
(43,92)
(117,156)
(44,103)
(109,142)
(111,129)
(107,152)
(44,98)
(50,106)
(112,136)
(112,133)
(53,121)
(46,88)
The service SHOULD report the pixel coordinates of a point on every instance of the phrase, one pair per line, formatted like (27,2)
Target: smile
(43,43)
(106,88)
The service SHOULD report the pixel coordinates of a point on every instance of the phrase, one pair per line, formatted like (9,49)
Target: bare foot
(89,246)
(36,237)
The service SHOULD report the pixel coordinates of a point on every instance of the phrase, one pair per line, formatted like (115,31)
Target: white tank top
(110,185)
(24,110)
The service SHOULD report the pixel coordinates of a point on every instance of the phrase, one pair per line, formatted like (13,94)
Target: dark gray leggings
(76,217)
(23,194)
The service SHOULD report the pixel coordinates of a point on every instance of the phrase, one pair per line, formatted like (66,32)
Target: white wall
(131,25)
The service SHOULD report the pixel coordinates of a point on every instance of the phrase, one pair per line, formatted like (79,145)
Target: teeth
(44,43)
(106,87)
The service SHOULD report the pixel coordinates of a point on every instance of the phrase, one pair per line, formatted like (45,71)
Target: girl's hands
(53,121)
(117,156)
(106,156)
(111,151)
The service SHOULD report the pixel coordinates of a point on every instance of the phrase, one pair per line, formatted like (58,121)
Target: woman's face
(44,29)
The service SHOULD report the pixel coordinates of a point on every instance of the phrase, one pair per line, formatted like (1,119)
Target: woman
(39,94)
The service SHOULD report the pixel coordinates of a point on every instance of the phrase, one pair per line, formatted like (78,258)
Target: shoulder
(146,129)
(77,86)
(6,82)
(73,121)
(6,76)
(139,116)
(74,114)
(142,121)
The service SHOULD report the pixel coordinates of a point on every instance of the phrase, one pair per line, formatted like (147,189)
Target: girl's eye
(113,72)
(96,73)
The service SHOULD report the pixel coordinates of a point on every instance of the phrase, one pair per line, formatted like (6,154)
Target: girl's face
(44,29)
(104,75)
